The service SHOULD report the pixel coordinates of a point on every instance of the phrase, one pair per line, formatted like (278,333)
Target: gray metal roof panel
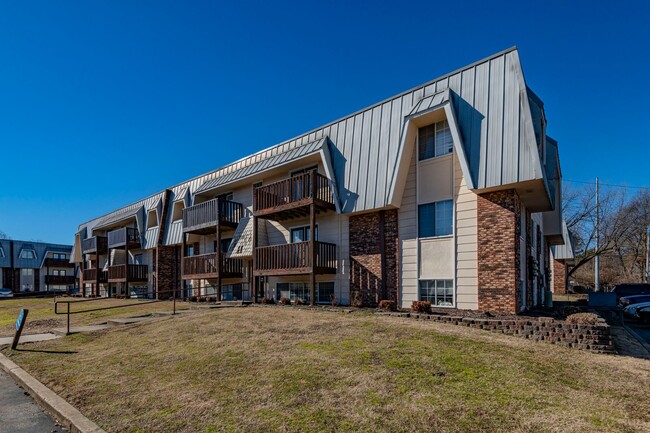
(265,164)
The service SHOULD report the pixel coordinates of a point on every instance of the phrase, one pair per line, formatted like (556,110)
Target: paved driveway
(19,413)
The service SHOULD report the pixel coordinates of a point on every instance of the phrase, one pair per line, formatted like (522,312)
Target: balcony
(204,217)
(292,197)
(90,276)
(204,266)
(96,244)
(123,237)
(58,263)
(295,259)
(132,273)
(60,280)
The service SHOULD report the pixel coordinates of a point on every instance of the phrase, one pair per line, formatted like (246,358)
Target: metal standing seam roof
(431,101)
(266,164)
(117,217)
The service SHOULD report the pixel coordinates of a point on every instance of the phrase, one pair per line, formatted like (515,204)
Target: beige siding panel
(466,242)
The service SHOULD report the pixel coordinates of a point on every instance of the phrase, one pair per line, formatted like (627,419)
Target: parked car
(6,293)
(644,315)
(630,289)
(632,311)
(634,299)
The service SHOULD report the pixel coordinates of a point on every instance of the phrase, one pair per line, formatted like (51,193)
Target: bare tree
(3,235)
(623,230)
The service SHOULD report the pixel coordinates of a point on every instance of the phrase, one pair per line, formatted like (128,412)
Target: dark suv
(629,289)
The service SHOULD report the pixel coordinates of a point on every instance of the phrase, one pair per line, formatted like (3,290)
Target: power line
(607,184)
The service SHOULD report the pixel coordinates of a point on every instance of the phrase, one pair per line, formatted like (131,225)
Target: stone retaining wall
(594,338)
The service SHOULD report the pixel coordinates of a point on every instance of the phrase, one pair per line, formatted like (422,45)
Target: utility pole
(647,255)
(597,258)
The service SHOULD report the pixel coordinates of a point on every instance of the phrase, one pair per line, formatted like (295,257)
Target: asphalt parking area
(19,412)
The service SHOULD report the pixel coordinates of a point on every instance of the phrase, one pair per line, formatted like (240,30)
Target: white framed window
(434,140)
(435,219)
(26,272)
(60,256)
(439,292)
(27,254)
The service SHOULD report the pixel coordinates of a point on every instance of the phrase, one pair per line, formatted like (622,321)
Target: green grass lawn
(41,317)
(288,370)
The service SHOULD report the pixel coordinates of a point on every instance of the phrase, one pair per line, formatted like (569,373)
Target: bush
(285,301)
(421,307)
(387,305)
(583,319)
(212,299)
(300,301)
(268,301)
(192,298)
(202,299)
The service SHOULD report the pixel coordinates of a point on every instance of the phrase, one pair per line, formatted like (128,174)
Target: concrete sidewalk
(29,338)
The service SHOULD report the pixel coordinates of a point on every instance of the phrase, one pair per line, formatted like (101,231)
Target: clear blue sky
(105,102)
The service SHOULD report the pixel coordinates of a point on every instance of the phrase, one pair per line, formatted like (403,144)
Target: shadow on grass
(61,352)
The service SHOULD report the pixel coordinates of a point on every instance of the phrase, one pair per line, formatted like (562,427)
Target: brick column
(373,257)
(498,251)
(559,277)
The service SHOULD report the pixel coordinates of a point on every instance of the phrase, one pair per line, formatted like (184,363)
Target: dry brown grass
(41,317)
(264,369)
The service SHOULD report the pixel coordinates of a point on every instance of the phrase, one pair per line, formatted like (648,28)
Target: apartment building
(36,266)
(449,192)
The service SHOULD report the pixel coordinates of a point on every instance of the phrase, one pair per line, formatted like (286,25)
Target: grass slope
(289,370)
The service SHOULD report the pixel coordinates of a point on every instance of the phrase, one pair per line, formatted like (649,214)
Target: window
(434,140)
(325,293)
(152,219)
(227,196)
(300,290)
(137,259)
(225,244)
(26,272)
(231,292)
(60,256)
(28,254)
(58,272)
(439,292)
(435,219)
(300,184)
(177,212)
(301,234)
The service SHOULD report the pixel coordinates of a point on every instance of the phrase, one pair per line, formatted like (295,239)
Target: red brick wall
(499,228)
(559,277)
(368,285)
(168,271)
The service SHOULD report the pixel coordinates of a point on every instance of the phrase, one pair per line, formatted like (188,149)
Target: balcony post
(126,269)
(218,250)
(184,249)
(255,279)
(96,285)
(312,249)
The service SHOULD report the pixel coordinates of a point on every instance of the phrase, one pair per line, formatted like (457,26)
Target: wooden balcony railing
(293,193)
(60,280)
(90,276)
(210,213)
(96,244)
(58,263)
(205,266)
(118,273)
(120,237)
(295,258)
